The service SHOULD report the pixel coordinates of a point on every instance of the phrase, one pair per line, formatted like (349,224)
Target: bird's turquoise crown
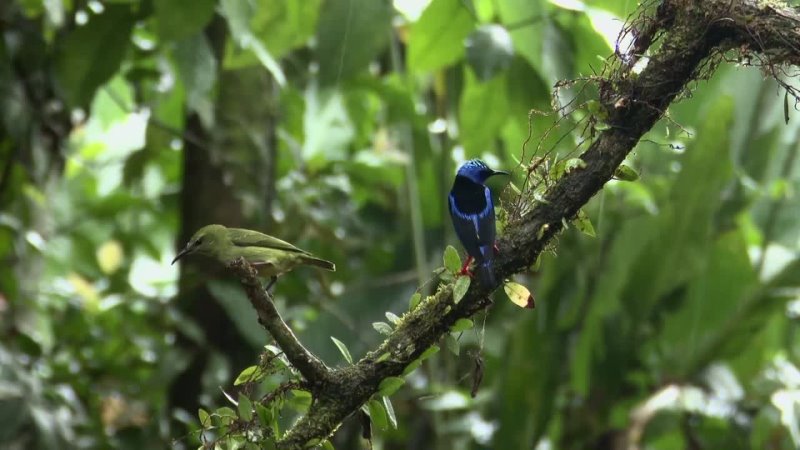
(474,164)
(476,170)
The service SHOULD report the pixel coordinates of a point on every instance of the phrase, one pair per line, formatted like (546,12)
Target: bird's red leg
(465,267)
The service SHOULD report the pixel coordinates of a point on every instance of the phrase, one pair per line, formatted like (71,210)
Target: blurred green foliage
(337,124)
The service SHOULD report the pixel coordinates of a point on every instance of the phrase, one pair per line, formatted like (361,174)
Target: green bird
(269,255)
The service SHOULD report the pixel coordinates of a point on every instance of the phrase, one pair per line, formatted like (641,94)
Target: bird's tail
(321,263)
(485,273)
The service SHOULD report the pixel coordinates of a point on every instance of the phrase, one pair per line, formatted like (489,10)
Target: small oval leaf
(626,173)
(462,325)
(382,327)
(452,261)
(460,289)
(415,299)
(519,295)
(249,375)
(390,385)
(205,419)
(432,350)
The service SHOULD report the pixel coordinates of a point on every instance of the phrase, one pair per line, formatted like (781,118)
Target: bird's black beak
(181,254)
(499,172)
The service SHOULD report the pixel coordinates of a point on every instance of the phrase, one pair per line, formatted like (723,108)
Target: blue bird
(472,211)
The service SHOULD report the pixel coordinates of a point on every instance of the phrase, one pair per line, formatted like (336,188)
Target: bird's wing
(465,226)
(486,222)
(248,238)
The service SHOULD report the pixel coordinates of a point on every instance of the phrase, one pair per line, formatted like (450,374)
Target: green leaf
(462,325)
(390,412)
(245,408)
(279,359)
(326,445)
(249,375)
(489,50)
(382,327)
(90,54)
(377,413)
(327,127)
(343,350)
(205,419)
(452,261)
(477,129)
(432,350)
(280,26)
(528,38)
(461,287)
(197,68)
(574,164)
(392,317)
(626,173)
(178,19)
(414,365)
(583,224)
(265,415)
(451,343)
(436,39)
(688,218)
(226,415)
(238,14)
(713,298)
(390,385)
(415,299)
(384,357)
(350,34)
(300,400)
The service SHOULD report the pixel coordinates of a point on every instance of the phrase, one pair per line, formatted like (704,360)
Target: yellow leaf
(109,256)
(85,290)
(519,295)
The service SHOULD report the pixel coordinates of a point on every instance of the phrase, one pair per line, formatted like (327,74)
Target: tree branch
(685,40)
(310,367)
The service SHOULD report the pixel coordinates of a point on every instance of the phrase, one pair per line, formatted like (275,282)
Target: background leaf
(91,54)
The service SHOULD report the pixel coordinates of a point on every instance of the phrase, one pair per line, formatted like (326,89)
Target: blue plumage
(472,211)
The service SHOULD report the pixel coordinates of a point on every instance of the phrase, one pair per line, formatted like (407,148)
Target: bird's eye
(198,242)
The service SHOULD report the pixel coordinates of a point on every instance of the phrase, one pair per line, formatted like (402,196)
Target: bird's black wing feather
(486,221)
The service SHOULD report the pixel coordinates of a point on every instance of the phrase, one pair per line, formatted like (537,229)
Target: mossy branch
(685,39)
